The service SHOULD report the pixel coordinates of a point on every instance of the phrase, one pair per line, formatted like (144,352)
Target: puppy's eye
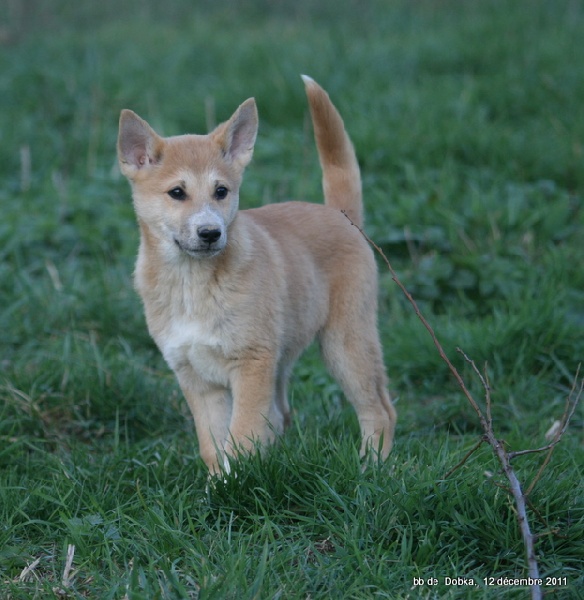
(221,192)
(177,193)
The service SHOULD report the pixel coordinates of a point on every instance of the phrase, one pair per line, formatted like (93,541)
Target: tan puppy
(233,297)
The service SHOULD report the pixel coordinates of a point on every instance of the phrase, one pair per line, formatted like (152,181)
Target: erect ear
(237,136)
(139,146)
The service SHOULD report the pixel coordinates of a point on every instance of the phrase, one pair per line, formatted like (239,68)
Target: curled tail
(341,178)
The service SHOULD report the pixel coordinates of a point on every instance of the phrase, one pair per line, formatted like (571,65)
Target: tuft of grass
(467,121)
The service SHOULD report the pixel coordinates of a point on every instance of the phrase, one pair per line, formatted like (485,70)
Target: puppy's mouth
(198,251)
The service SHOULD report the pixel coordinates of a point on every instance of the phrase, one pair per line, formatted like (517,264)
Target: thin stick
(565,419)
(503,456)
(499,450)
(425,323)
(465,458)
(519,497)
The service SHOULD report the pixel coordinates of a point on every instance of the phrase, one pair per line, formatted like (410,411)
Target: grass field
(468,121)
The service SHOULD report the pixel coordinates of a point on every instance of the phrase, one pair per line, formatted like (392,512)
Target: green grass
(467,119)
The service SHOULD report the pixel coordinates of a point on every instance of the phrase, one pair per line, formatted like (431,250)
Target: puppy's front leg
(254,417)
(211,410)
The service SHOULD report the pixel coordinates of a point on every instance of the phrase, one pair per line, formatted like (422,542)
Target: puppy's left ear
(237,136)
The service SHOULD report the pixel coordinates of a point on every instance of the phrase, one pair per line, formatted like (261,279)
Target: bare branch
(487,385)
(486,423)
(501,453)
(424,322)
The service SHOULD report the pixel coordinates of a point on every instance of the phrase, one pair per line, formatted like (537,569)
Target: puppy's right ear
(139,146)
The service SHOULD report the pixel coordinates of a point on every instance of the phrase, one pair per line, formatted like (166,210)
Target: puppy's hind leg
(353,356)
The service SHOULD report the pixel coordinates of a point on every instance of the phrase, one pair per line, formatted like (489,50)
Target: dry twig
(465,458)
(501,453)
(28,570)
(67,576)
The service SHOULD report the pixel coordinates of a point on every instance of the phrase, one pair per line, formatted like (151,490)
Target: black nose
(208,234)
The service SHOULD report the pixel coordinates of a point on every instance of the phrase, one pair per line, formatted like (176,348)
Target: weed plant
(467,120)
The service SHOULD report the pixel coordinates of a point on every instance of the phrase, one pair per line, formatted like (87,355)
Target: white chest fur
(182,316)
(193,344)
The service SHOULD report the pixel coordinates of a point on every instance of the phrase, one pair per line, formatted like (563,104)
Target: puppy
(232,297)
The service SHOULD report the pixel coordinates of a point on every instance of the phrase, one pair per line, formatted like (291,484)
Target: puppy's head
(186,188)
